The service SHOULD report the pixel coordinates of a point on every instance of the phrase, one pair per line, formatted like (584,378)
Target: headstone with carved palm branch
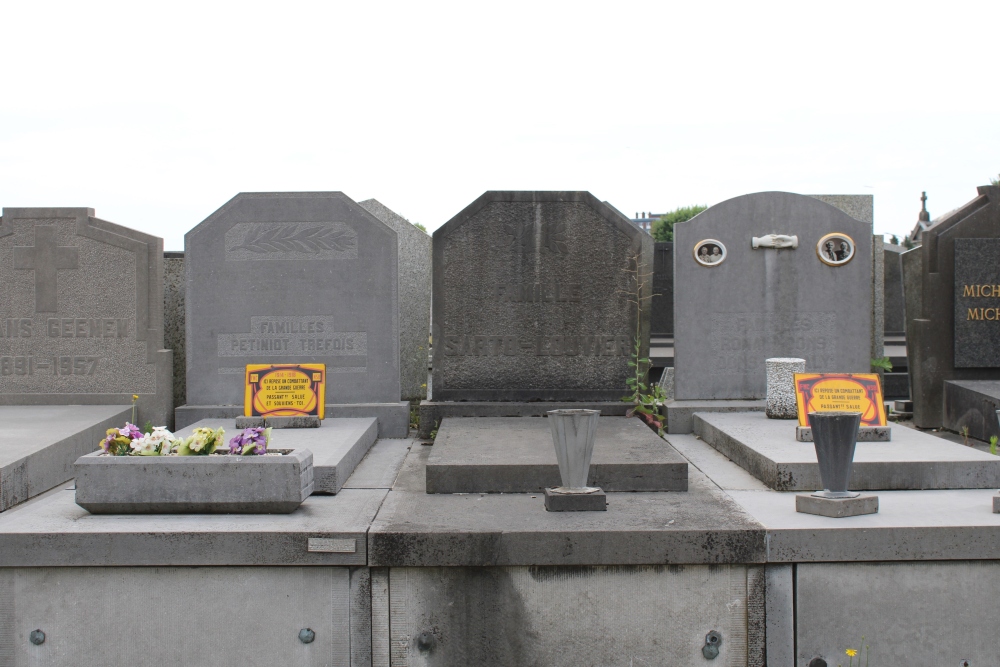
(297,277)
(534,299)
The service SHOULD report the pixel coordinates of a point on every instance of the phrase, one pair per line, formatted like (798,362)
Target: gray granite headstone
(662,323)
(531,299)
(414,299)
(81,313)
(294,277)
(732,315)
(173,319)
(944,340)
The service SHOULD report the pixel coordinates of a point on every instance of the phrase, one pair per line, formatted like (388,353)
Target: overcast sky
(156,114)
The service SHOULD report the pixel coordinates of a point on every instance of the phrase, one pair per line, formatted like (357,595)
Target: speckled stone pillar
(781,387)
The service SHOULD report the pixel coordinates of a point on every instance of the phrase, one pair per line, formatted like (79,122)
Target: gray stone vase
(573,435)
(835,435)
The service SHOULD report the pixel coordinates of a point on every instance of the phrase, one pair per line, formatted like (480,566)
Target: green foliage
(148,427)
(893,239)
(908,242)
(646,400)
(965,435)
(420,227)
(882,363)
(414,417)
(995,181)
(663,229)
(993,445)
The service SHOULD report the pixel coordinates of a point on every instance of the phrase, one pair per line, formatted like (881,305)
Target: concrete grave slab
(393,418)
(913,460)
(516,455)
(380,466)
(40,443)
(433,412)
(780,298)
(415,256)
(338,446)
(414,528)
(53,531)
(294,277)
(531,299)
(81,316)
(680,414)
(910,525)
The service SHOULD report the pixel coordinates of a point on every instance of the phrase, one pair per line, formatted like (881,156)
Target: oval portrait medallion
(835,249)
(709,252)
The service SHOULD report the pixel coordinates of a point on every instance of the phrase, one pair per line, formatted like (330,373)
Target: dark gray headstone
(662,323)
(414,299)
(943,341)
(531,299)
(81,314)
(893,290)
(732,315)
(301,277)
(977,303)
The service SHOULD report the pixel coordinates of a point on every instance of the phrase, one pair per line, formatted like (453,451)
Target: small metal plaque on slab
(333,545)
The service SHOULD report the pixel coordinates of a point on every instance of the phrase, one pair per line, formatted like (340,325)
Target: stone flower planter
(212,484)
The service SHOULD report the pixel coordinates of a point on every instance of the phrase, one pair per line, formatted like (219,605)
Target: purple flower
(251,441)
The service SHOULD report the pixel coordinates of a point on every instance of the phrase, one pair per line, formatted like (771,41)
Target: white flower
(157,442)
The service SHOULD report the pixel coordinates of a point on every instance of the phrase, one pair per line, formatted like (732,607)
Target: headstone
(893,272)
(81,316)
(805,291)
(414,299)
(952,332)
(531,299)
(173,320)
(81,332)
(298,277)
(662,323)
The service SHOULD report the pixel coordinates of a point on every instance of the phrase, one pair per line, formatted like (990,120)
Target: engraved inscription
(291,240)
(536,346)
(311,336)
(15,327)
(741,341)
(82,327)
(53,365)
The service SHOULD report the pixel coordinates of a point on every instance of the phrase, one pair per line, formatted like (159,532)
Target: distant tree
(420,227)
(663,229)
(995,181)
(908,242)
(893,239)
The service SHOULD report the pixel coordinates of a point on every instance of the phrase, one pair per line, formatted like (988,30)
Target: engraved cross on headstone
(45,258)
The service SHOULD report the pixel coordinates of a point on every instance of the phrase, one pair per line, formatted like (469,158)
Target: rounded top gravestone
(292,277)
(531,299)
(794,279)
(81,316)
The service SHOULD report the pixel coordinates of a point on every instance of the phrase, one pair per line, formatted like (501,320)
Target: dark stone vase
(835,435)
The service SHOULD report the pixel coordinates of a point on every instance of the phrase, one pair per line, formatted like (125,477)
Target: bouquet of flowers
(251,441)
(119,440)
(202,442)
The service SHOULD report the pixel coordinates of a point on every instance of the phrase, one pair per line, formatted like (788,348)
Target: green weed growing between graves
(993,445)
(646,399)
(882,363)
